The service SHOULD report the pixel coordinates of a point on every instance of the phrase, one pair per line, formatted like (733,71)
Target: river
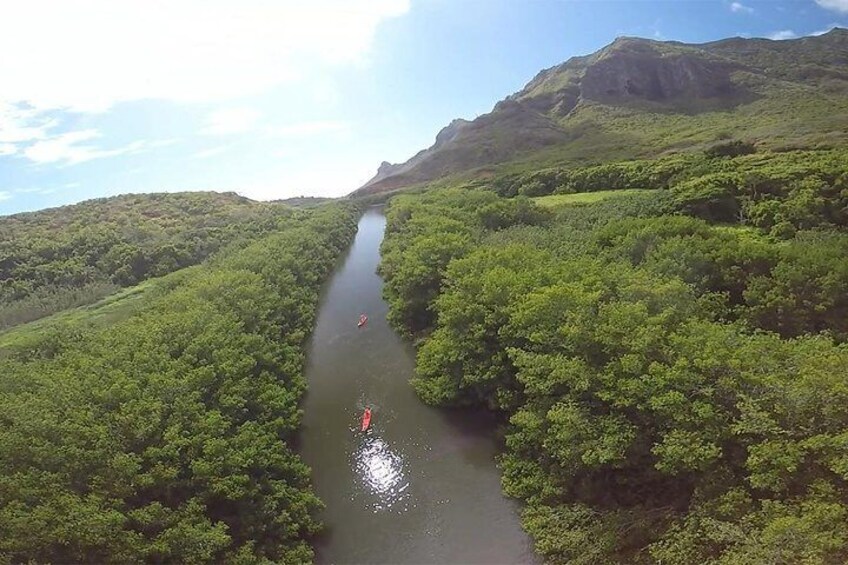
(421,486)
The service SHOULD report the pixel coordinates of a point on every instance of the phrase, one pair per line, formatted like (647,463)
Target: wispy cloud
(72,148)
(20,123)
(29,133)
(67,147)
(840,6)
(783,34)
(228,121)
(5,196)
(739,8)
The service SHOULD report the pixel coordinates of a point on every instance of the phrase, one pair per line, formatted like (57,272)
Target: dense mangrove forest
(168,436)
(669,364)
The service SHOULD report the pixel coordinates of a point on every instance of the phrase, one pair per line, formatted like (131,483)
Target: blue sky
(276,98)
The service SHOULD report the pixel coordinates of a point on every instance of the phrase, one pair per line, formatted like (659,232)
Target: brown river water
(421,486)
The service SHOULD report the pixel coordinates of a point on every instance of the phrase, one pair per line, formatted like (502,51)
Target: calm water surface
(421,486)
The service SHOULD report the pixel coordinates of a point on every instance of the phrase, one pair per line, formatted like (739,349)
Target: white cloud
(87,55)
(19,123)
(24,130)
(5,196)
(317,127)
(228,121)
(835,5)
(783,34)
(738,7)
(69,148)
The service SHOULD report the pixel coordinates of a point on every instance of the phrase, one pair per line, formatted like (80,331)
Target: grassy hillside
(74,255)
(110,310)
(642,99)
(558,200)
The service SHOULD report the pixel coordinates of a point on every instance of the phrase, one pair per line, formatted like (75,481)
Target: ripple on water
(381,474)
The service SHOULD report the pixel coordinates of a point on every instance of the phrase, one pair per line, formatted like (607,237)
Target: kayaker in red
(362,320)
(366,419)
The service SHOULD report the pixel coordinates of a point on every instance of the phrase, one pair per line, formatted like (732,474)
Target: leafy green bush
(515,211)
(733,148)
(712,197)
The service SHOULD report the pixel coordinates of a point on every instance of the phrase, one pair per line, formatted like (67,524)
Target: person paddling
(362,320)
(366,419)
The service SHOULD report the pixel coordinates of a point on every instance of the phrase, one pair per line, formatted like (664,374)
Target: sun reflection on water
(382,472)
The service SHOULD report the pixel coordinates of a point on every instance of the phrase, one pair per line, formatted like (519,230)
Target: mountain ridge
(640,98)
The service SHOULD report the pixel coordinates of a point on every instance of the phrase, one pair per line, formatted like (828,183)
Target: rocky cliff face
(629,69)
(449,133)
(396,170)
(636,77)
(386,169)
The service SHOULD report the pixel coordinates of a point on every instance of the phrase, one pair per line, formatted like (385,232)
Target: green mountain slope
(74,255)
(638,98)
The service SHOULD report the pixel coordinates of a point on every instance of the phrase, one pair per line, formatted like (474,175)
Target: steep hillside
(73,255)
(643,98)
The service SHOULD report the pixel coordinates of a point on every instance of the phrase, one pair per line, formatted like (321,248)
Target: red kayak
(366,419)
(362,320)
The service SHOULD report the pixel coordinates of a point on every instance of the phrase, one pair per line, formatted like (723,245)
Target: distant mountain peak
(447,133)
(445,136)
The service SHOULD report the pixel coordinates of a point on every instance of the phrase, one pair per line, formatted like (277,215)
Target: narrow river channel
(421,486)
